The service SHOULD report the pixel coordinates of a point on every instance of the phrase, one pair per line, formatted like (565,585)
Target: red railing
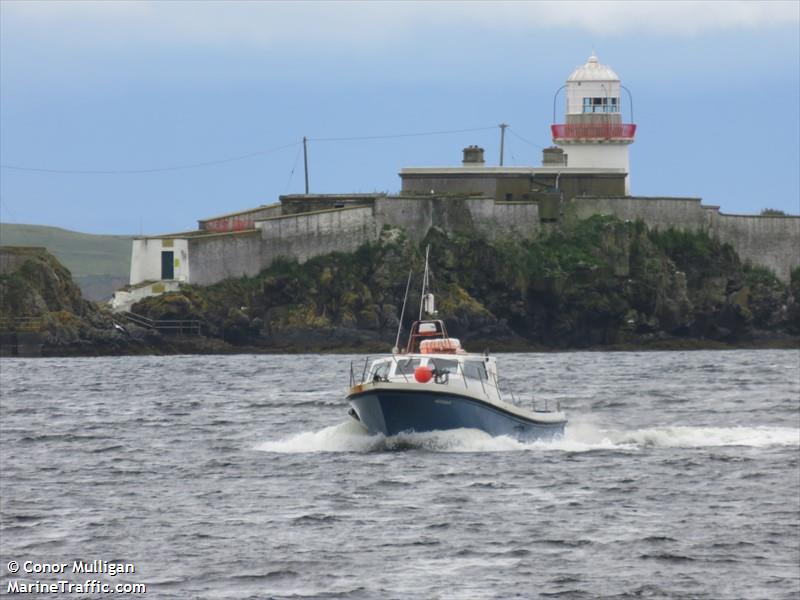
(579,131)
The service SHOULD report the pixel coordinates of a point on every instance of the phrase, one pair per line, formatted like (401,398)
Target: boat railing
(532,402)
(523,401)
(354,380)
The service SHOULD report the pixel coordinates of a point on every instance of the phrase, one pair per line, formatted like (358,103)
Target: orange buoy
(423,374)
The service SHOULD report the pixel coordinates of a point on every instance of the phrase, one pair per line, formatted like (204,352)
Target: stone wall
(418,214)
(514,218)
(217,257)
(247,253)
(312,234)
(768,241)
(657,212)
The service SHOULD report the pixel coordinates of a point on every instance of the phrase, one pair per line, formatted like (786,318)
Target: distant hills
(99,264)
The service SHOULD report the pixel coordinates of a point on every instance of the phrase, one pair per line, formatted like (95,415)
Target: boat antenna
(424,282)
(396,348)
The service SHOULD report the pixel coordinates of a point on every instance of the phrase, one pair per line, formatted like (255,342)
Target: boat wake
(579,437)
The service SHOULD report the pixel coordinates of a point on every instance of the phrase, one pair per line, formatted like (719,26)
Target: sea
(243,477)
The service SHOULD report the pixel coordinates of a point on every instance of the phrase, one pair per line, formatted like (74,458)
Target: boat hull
(391,412)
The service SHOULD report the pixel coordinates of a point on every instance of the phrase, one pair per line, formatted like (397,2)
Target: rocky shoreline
(601,285)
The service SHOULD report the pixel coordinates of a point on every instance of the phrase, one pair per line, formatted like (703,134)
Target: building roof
(509,171)
(593,71)
(241,212)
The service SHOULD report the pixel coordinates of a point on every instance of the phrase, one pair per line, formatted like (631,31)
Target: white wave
(344,437)
(698,437)
(580,436)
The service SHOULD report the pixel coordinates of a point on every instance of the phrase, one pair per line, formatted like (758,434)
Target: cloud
(353,24)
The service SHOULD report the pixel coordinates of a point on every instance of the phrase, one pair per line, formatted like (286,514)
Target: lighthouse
(593,135)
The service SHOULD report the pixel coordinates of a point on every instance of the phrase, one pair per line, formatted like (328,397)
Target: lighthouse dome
(593,71)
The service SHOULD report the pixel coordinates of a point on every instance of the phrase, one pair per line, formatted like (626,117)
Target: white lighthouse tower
(593,135)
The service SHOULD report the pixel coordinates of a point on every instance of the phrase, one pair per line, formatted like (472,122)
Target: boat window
(406,366)
(441,364)
(380,371)
(475,369)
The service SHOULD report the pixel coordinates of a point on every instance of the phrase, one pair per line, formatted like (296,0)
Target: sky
(143,117)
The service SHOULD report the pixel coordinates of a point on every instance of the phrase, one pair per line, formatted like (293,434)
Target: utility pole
(305,160)
(502,127)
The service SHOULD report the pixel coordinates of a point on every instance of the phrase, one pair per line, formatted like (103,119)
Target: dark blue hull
(400,411)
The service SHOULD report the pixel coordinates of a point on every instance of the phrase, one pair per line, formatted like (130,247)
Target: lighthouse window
(600,105)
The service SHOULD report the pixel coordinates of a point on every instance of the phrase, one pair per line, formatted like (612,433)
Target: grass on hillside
(83,254)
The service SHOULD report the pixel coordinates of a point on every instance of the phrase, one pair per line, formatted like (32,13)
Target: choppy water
(241,477)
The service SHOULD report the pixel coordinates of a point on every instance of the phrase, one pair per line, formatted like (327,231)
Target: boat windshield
(475,369)
(380,371)
(442,364)
(406,366)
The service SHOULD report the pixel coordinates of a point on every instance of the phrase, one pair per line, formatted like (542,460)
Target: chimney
(553,156)
(473,156)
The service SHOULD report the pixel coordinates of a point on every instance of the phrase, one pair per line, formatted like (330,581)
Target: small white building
(593,134)
(160,259)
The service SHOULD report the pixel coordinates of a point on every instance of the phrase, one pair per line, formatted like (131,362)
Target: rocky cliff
(40,302)
(599,283)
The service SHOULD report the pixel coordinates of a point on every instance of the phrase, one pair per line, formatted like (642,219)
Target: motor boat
(434,384)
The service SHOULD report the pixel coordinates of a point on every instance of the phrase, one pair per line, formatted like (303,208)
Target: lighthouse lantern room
(593,135)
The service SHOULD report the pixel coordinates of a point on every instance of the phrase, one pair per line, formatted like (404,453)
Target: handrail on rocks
(179,326)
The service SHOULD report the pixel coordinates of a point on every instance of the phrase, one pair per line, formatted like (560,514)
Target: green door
(168,265)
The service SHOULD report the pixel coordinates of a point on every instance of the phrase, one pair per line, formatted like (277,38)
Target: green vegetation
(99,263)
(37,286)
(772,212)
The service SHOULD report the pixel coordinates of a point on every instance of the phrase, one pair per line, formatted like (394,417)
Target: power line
(294,166)
(233,158)
(154,170)
(527,141)
(398,135)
